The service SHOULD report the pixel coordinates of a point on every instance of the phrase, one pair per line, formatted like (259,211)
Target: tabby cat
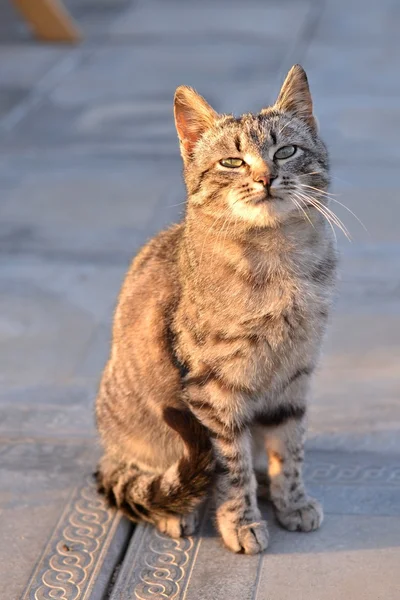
(219,325)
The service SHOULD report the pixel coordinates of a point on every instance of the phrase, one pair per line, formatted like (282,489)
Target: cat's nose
(264,178)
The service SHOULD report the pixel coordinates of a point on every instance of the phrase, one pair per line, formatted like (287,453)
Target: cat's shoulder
(162,248)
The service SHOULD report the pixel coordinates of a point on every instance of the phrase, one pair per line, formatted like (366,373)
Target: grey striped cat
(219,325)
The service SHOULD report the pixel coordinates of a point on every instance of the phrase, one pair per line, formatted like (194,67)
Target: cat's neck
(215,247)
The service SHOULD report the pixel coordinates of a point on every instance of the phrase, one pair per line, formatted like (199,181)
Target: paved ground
(89,169)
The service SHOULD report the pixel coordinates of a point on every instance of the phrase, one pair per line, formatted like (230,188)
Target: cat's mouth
(267,196)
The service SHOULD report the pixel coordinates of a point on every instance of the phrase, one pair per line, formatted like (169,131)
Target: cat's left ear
(193,116)
(295,96)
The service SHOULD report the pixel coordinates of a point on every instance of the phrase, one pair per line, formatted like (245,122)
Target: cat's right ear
(193,116)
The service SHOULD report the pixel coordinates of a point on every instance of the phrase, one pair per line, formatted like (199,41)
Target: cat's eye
(231,163)
(285,152)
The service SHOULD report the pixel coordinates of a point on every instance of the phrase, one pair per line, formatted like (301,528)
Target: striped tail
(141,496)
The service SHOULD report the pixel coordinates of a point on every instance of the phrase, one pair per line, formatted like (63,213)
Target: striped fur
(218,329)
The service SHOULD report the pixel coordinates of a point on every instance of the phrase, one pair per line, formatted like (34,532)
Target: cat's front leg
(237,514)
(295,510)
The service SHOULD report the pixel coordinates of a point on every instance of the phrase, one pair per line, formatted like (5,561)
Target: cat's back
(148,293)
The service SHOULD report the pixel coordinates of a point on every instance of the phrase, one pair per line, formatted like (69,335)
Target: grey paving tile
(82,553)
(366,22)
(349,557)
(22,65)
(31,466)
(360,129)
(9,98)
(95,17)
(21,68)
(47,306)
(267,20)
(355,539)
(96,355)
(373,199)
(132,105)
(84,214)
(43,420)
(11,25)
(22,544)
(366,69)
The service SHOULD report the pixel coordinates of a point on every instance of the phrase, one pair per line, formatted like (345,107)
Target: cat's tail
(142,496)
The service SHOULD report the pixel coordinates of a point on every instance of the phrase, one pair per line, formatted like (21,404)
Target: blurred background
(90,169)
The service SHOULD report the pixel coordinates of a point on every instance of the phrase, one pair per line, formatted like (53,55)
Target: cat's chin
(256,214)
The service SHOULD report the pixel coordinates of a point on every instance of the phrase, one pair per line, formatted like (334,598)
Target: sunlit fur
(219,326)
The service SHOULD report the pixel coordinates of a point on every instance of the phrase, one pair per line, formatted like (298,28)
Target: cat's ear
(295,96)
(193,116)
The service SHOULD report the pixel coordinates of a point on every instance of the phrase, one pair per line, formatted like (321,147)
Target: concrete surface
(89,169)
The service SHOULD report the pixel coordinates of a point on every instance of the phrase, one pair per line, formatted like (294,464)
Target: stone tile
(95,17)
(21,69)
(376,206)
(84,550)
(11,25)
(354,484)
(22,544)
(89,214)
(357,69)
(366,22)
(356,537)
(48,411)
(182,568)
(9,98)
(273,20)
(349,557)
(22,65)
(131,108)
(48,306)
(363,341)
(30,468)
(354,403)
(92,363)
(360,129)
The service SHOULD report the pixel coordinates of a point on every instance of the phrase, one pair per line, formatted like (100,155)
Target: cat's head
(261,168)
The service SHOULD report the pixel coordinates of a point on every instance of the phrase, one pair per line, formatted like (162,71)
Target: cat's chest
(277,330)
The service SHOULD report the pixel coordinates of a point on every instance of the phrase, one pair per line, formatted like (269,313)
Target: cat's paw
(179,525)
(305,518)
(251,538)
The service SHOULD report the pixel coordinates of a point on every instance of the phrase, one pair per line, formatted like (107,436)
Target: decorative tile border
(372,474)
(77,549)
(156,566)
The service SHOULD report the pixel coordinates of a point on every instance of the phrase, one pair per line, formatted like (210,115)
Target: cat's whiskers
(298,205)
(326,211)
(335,219)
(330,196)
(173,205)
(325,207)
(302,201)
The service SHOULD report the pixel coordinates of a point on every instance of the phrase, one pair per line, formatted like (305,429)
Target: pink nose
(263,178)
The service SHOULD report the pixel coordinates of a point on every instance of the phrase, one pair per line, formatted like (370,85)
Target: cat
(219,325)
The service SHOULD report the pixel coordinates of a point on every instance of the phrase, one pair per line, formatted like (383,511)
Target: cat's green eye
(285,152)
(231,163)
